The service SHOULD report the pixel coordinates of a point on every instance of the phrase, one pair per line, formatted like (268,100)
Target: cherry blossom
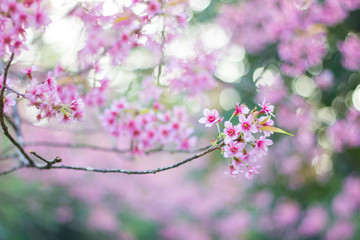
(261,145)
(210,118)
(231,132)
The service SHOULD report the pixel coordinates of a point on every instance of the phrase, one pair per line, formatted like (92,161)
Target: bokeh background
(308,186)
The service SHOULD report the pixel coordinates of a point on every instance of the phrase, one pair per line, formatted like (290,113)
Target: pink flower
(251,172)
(233,149)
(241,109)
(29,70)
(247,126)
(286,213)
(325,79)
(261,145)
(350,50)
(9,101)
(231,132)
(210,118)
(232,171)
(342,229)
(314,221)
(267,108)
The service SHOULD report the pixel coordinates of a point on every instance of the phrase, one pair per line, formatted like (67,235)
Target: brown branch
(141,172)
(105,149)
(2,119)
(79,145)
(50,164)
(16,92)
(161,149)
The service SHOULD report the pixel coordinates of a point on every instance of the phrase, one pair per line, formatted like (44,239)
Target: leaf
(274,129)
(122,18)
(264,121)
(176,2)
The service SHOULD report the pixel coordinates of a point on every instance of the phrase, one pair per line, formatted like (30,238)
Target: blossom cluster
(9,99)
(346,132)
(129,28)
(246,141)
(350,50)
(298,26)
(148,128)
(52,101)
(193,76)
(15,18)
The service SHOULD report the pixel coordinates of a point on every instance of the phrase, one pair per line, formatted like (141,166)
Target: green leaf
(275,129)
(264,121)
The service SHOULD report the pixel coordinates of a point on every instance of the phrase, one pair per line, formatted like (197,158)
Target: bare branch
(115,150)
(2,119)
(48,163)
(79,145)
(135,172)
(16,92)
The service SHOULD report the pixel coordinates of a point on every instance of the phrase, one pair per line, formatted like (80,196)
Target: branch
(105,149)
(79,145)
(152,171)
(16,92)
(2,118)
(48,163)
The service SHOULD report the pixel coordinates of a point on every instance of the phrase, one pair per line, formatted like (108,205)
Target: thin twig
(160,149)
(2,119)
(79,145)
(152,171)
(16,92)
(48,163)
(105,149)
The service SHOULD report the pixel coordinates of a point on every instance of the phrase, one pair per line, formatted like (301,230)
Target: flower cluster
(346,132)
(350,50)
(15,18)
(246,141)
(9,99)
(49,99)
(325,79)
(129,28)
(302,51)
(193,76)
(298,26)
(97,95)
(148,128)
